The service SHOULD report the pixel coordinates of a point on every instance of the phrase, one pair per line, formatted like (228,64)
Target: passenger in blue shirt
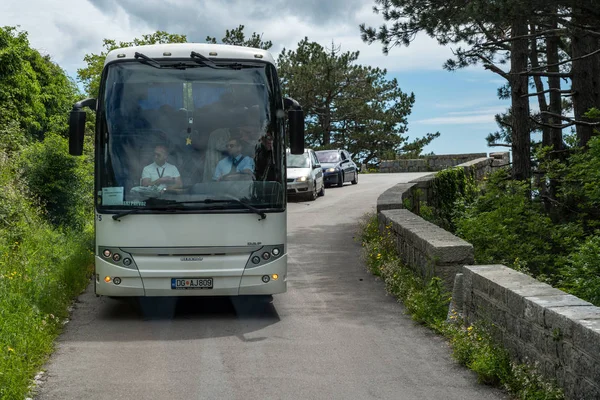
(235,163)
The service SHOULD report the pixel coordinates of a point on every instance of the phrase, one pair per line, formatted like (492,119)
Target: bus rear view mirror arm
(77,125)
(296,121)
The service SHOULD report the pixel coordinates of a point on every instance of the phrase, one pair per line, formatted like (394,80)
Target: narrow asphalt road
(334,335)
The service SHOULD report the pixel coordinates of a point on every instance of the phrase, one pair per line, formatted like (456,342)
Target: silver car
(304,175)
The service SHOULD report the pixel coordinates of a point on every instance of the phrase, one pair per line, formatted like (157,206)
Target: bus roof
(183,50)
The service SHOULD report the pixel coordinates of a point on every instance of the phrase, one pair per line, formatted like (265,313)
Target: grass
(39,277)
(427,303)
(42,268)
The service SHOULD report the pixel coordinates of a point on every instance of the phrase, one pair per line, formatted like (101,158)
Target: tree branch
(512,39)
(499,145)
(563,92)
(567,61)
(534,73)
(574,121)
(489,65)
(551,125)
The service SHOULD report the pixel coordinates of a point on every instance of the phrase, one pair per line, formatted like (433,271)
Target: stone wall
(426,248)
(537,323)
(439,162)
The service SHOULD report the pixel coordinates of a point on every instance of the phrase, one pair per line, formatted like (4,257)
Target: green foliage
(346,104)
(236,37)
(452,191)
(35,93)
(63,183)
(427,303)
(41,270)
(581,273)
(90,75)
(579,190)
(507,227)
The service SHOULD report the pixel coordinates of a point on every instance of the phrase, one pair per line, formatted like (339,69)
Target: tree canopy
(346,104)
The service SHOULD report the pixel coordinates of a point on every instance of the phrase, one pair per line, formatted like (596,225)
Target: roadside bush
(505,226)
(41,269)
(63,183)
(581,274)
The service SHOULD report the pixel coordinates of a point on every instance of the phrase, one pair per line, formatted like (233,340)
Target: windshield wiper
(147,60)
(236,200)
(200,59)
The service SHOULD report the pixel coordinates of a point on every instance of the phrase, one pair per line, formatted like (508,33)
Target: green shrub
(452,190)
(41,269)
(581,274)
(505,226)
(63,183)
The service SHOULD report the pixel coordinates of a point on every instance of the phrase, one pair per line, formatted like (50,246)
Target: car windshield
(328,156)
(188,134)
(297,161)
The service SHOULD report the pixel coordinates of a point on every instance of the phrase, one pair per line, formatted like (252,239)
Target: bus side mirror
(296,120)
(77,126)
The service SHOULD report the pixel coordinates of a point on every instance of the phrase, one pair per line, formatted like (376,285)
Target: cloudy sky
(460,105)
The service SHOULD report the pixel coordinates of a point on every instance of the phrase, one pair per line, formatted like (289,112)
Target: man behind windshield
(160,173)
(234,164)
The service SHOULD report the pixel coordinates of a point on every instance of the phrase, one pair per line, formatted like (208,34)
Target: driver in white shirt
(160,173)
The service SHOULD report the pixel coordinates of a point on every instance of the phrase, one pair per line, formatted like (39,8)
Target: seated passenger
(235,163)
(160,173)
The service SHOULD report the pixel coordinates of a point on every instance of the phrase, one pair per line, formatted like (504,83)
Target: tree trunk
(552,56)
(521,139)
(539,87)
(555,107)
(586,71)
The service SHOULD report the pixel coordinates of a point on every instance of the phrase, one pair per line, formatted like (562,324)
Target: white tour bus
(190,172)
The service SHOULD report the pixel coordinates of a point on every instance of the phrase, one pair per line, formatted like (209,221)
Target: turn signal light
(107,279)
(275,277)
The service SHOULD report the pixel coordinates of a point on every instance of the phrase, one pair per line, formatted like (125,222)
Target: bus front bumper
(231,282)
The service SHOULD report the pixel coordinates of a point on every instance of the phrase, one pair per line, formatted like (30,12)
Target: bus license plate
(191,283)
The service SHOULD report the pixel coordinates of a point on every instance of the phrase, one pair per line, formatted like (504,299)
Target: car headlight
(301,179)
(331,170)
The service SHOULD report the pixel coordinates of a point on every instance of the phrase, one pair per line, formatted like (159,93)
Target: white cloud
(69,29)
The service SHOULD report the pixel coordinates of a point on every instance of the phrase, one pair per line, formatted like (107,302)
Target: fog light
(106,253)
(117,281)
(266,278)
(127,261)
(116,257)
(275,277)
(276,252)
(107,279)
(266,255)
(256,259)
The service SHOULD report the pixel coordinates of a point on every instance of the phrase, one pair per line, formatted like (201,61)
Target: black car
(338,167)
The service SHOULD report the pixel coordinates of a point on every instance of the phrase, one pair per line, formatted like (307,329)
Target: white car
(304,175)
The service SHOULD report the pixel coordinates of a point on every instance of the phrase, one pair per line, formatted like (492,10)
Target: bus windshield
(190,133)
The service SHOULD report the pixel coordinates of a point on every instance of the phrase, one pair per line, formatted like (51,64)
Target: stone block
(562,319)
(586,337)
(586,389)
